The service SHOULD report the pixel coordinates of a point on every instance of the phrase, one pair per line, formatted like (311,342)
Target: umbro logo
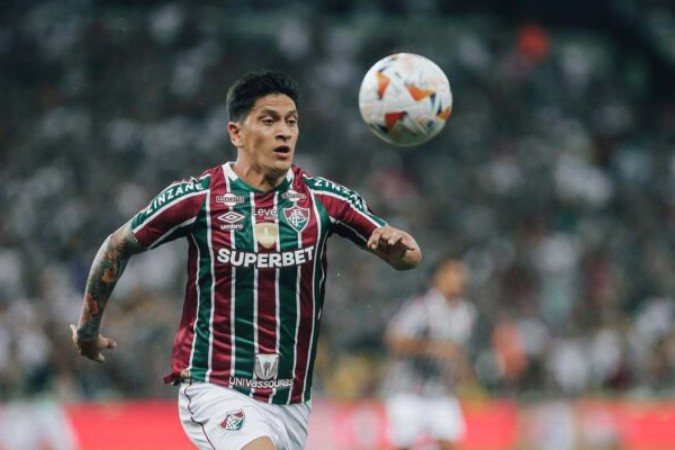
(231,219)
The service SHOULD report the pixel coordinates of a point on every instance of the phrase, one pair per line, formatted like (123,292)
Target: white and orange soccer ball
(405,99)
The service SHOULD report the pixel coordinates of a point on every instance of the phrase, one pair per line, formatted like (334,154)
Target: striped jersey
(256,275)
(429,316)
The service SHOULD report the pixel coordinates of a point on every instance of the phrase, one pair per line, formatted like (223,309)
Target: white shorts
(411,417)
(219,418)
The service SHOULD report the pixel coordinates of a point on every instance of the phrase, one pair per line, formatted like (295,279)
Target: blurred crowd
(554,180)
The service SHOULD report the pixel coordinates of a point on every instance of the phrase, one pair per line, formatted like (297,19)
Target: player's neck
(256,178)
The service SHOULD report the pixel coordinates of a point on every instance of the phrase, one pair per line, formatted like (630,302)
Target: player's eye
(292,122)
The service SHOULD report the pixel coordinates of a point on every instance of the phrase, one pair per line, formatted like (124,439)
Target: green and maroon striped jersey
(256,275)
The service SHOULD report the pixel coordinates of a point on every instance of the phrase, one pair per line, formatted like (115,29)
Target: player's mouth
(282,150)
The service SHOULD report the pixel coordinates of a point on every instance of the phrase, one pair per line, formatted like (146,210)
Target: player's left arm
(352,218)
(396,247)
(106,270)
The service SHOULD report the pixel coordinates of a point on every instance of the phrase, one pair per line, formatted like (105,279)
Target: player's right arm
(168,216)
(419,347)
(106,270)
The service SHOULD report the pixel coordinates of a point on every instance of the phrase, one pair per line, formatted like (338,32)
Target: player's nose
(284,132)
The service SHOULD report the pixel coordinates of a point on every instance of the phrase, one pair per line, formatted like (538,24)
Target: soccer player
(427,339)
(257,230)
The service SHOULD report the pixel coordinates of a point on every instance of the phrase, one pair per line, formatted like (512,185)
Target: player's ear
(234,130)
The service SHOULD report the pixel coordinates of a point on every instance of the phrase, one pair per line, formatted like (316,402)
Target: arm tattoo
(106,270)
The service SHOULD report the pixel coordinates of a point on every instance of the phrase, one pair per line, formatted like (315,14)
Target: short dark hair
(442,260)
(250,87)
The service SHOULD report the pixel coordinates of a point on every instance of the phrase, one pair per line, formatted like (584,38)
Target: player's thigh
(290,423)
(263,443)
(405,417)
(445,445)
(218,418)
(446,420)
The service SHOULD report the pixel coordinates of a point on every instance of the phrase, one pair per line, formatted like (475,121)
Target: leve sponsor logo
(266,214)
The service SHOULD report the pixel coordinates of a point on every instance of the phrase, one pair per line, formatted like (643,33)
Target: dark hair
(250,87)
(442,259)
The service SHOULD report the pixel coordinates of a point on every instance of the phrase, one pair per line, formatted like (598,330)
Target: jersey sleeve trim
(376,221)
(137,226)
(172,212)
(358,236)
(347,197)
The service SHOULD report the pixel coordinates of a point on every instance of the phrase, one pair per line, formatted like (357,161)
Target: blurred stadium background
(555,180)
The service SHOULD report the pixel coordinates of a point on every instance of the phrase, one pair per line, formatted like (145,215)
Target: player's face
(450,279)
(267,136)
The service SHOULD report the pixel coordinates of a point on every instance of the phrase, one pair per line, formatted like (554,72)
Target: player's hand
(396,246)
(92,348)
(443,350)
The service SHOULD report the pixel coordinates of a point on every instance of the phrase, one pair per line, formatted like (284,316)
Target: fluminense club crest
(233,421)
(297,217)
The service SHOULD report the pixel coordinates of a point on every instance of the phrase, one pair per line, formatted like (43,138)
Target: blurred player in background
(257,231)
(426,340)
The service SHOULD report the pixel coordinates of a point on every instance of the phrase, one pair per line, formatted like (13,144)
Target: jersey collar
(236,180)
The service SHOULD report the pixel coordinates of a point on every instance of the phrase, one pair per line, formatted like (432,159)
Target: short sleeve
(171,213)
(349,214)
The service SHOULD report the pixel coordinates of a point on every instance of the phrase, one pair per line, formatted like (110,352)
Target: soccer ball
(405,99)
